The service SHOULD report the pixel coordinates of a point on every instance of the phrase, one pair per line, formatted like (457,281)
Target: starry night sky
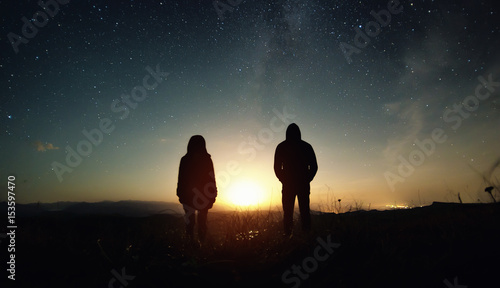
(230,76)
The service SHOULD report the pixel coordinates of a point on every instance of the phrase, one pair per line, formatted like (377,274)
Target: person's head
(197,145)
(293,132)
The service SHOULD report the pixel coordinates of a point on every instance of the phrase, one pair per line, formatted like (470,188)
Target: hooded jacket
(294,159)
(196,183)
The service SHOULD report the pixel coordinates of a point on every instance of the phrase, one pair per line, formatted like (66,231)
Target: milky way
(99,99)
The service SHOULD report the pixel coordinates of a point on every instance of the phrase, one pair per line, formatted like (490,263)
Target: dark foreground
(443,245)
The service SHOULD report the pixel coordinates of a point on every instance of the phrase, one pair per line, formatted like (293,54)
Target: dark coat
(294,160)
(196,183)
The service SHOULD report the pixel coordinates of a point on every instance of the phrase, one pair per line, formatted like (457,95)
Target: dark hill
(421,247)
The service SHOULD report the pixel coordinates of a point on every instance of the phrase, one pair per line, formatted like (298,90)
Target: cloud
(410,123)
(426,87)
(40,147)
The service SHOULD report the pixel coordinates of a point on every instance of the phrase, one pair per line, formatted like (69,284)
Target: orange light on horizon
(247,194)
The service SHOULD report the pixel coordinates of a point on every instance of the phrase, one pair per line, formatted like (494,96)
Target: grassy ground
(421,247)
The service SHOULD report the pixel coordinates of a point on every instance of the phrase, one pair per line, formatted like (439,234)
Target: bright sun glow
(246,193)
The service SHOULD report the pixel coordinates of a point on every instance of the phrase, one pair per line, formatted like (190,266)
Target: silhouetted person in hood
(295,166)
(196,187)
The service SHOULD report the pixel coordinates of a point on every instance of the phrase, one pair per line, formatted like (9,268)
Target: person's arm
(181,182)
(212,185)
(278,163)
(313,165)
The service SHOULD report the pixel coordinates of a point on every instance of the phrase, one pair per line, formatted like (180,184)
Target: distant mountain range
(130,208)
(134,208)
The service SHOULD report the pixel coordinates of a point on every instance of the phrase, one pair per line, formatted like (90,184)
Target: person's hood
(197,145)
(293,132)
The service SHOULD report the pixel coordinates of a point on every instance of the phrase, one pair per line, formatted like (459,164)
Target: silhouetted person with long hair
(295,166)
(196,187)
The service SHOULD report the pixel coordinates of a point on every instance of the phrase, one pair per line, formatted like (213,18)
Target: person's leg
(189,218)
(305,212)
(288,202)
(202,224)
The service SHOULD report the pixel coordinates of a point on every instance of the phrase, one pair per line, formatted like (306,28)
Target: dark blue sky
(371,120)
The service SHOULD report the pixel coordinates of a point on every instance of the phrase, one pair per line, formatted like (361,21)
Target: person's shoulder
(306,144)
(207,158)
(281,144)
